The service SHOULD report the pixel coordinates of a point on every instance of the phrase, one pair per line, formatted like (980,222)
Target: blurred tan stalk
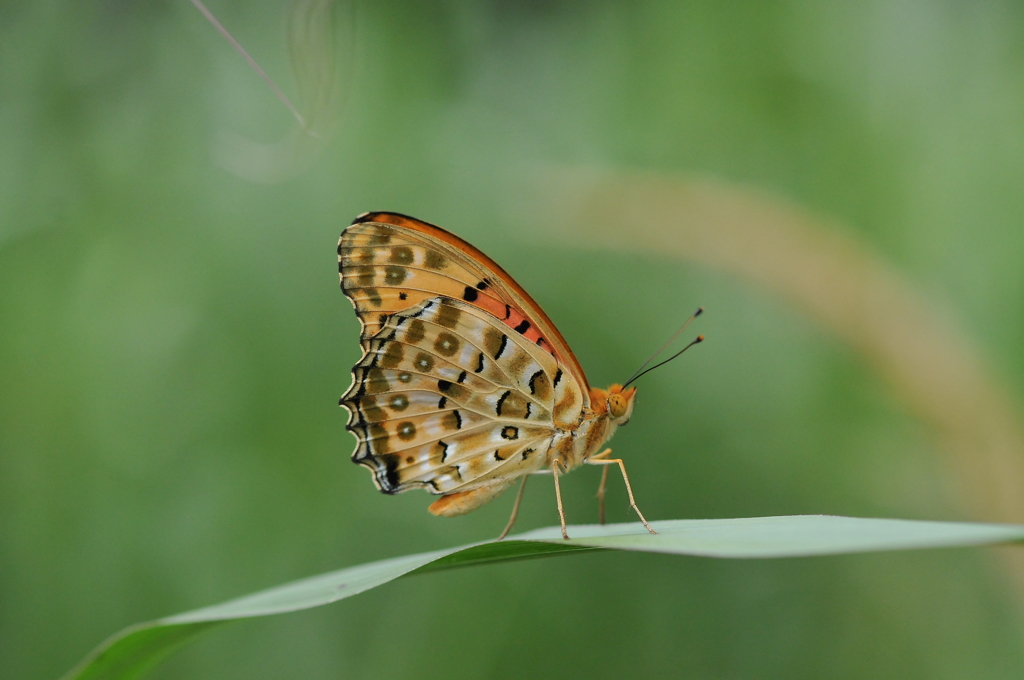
(841,283)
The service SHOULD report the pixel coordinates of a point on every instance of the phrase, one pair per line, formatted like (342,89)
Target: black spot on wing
(501,400)
(523,327)
(424,309)
(367,375)
(389,477)
(452,420)
(533,381)
(479,363)
(462,377)
(469,294)
(558,376)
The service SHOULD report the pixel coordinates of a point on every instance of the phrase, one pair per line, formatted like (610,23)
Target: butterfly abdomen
(462,502)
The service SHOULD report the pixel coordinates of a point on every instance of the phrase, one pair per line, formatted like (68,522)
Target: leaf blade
(137,649)
(786,536)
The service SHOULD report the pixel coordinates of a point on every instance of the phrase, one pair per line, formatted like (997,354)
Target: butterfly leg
(604,484)
(600,494)
(515,508)
(558,497)
(625,478)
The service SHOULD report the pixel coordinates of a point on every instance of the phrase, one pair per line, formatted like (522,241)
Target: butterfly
(465,386)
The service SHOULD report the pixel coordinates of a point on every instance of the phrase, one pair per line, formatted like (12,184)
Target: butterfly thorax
(608,410)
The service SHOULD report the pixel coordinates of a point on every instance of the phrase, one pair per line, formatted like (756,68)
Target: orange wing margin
(537,315)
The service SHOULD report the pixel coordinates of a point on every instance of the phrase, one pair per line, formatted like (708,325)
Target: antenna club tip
(700,338)
(700,310)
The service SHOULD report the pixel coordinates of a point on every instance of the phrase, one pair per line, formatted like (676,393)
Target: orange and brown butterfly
(465,385)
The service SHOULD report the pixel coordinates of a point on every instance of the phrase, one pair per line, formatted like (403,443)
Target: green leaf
(137,649)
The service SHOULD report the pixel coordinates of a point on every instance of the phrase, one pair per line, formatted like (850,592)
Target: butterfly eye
(617,405)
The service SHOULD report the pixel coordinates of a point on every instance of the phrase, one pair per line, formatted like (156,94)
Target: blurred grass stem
(252,62)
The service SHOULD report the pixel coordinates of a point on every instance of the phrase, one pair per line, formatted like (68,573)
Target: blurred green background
(173,341)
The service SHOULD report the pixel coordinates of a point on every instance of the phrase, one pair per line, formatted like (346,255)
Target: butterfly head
(620,403)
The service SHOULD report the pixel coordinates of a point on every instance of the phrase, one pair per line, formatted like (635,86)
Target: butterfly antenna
(637,373)
(699,339)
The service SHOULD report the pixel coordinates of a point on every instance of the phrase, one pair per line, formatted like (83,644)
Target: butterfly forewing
(390,262)
(382,272)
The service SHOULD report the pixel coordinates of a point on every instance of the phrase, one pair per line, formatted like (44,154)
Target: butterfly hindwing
(444,399)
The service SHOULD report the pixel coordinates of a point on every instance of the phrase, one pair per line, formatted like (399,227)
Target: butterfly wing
(390,262)
(463,380)
(436,405)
